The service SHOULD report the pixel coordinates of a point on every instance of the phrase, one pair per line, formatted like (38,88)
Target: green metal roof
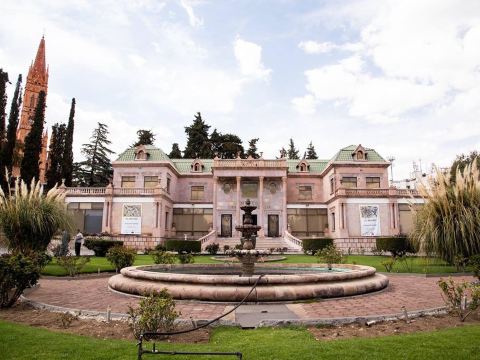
(316,166)
(184,165)
(345,154)
(154,154)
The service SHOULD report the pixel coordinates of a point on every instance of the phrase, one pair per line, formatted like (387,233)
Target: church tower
(37,80)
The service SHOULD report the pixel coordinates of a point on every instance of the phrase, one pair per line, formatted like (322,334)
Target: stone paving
(91,293)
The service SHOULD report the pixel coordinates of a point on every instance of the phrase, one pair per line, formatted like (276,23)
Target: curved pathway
(414,292)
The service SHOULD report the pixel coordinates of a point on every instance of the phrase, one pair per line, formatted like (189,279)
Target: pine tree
(311,153)
(3,103)
(55,155)
(145,137)
(252,149)
(97,169)
(8,152)
(216,143)
(175,153)
(198,142)
(292,152)
(67,157)
(231,146)
(29,168)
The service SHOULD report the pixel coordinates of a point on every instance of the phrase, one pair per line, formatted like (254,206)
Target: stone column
(260,211)
(107,209)
(237,212)
(214,203)
(284,207)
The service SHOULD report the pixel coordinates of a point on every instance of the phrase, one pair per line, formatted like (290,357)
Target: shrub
(72,264)
(163,257)
(100,245)
(447,224)
(183,246)
(160,247)
(213,248)
(456,298)
(238,247)
(226,248)
(29,219)
(389,263)
(18,272)
(396,245)
(329,255)
(312,245)
(186,258)
(156,313)
(120,257)
(474,261)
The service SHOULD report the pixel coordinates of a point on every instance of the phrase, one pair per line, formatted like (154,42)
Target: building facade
(37,81)
(347,197)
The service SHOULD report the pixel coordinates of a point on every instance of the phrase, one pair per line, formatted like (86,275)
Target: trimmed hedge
(183,246)
(312,245)
(396,245)
(100,246)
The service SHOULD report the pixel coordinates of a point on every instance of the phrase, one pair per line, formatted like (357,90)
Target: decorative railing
(207,239)
(133,191)
(249,163)
(96,191)
(407,192)
(86,191)
(376,192)
(293,241)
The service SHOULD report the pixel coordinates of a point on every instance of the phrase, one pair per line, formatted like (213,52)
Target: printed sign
(369,220)
(132,219)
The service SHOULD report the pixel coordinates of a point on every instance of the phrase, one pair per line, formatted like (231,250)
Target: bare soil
(386,328)
(25,314)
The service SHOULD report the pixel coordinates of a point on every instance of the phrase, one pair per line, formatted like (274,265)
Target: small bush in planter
(163,257)
(183,246)
(186,258)
(396,245)
(213,248)
(329,255)
(312,245)
(72,264)
(121,257)
(100,245)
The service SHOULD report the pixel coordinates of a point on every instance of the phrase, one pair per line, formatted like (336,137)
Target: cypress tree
(252,149)
(198,142)
(3,103)
(175,153)
(292,152)
(67,157)
(29,168)
(311,153)
(97,169)
(13,116)
(55,155)
(145,137)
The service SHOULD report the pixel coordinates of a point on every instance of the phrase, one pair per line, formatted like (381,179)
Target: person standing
(78,242)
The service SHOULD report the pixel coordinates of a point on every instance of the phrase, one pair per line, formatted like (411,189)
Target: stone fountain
(247,255)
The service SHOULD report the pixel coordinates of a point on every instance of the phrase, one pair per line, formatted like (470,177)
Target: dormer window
(303,166)
(359,153)
(197,166)
(141,153)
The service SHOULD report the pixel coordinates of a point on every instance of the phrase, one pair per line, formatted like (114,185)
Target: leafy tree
(97,169)
(252,149)
(462,161)
(198,142)
(145,137)
(311,153)
(55,155)
(175,153)
(29,168)
(67,158)
(231,146)
(292,152)
(3,103)
(8,152)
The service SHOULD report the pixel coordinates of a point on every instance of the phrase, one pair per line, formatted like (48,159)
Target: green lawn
(419,265)
(23,342)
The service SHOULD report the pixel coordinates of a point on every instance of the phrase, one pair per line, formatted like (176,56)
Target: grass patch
(422,265)
(23,342)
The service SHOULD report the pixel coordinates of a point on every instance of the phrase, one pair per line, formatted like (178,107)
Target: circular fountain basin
(222,282)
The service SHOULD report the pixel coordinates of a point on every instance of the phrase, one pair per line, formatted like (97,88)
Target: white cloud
(305,105)
(249,58)
(194,20)
(314,47)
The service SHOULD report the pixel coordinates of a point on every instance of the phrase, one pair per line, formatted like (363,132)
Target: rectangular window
(128,181)
(373,182)
(197,193)
(333,221)
(168,184)
(332,185)
(249,189)
(305,192)
(349,182)
(194,222)
(150,181)
(166,220)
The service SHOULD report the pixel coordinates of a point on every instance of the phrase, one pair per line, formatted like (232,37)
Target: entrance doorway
(273,226)
(226,225)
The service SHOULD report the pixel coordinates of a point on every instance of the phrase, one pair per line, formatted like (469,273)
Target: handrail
(249,163)
(85,191)
(376,192)
(204,240)
(292,240)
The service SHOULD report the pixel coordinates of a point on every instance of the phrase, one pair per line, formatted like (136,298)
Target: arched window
(196,167)
(303,167)
(360,155)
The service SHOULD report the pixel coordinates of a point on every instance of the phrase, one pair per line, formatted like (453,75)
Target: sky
(401,77)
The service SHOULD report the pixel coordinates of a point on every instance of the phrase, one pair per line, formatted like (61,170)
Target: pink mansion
(153,197)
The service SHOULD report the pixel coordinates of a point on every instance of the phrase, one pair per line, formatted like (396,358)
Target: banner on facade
(369,220)
(132,219)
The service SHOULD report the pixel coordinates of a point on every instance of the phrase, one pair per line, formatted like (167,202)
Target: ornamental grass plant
(448,225)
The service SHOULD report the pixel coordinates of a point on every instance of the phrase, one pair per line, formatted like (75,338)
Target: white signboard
(369,220)
(132,219)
